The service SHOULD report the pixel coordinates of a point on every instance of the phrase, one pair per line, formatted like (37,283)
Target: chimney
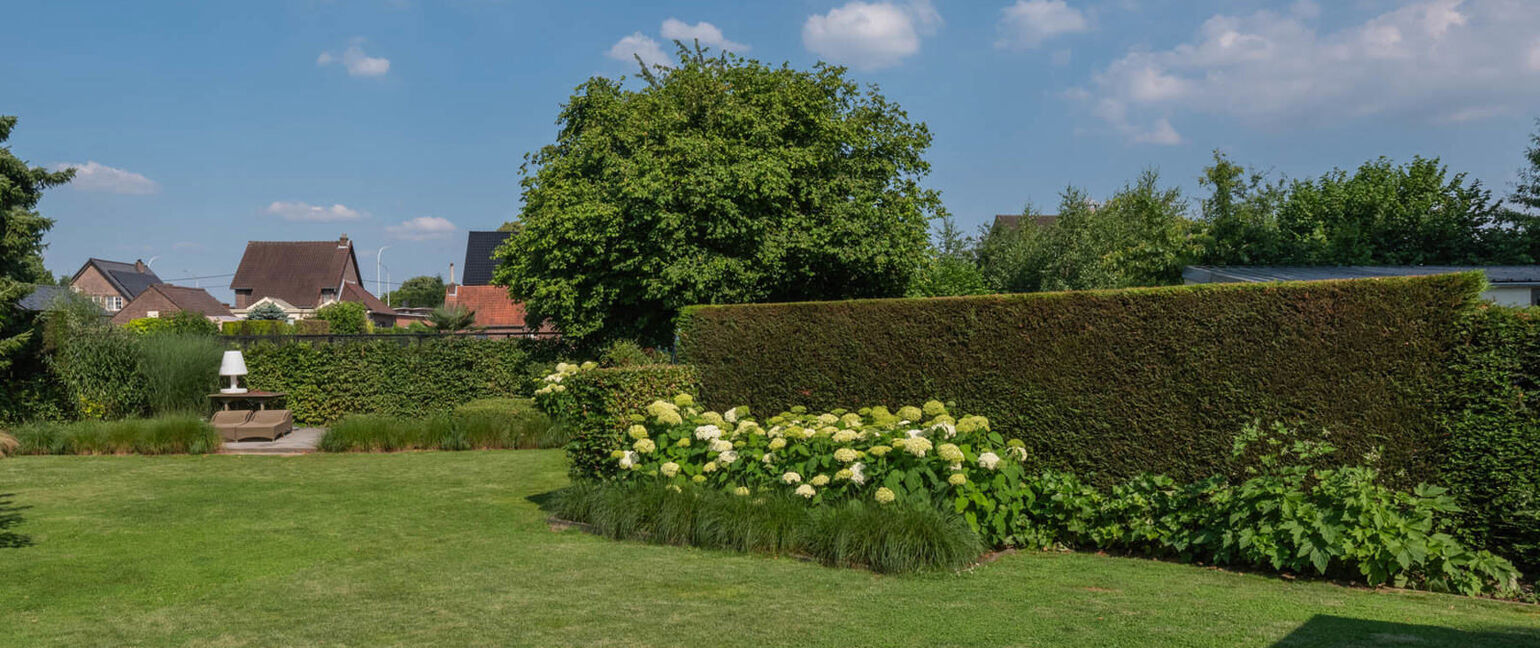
(343,242)
(451,290)
(140,267)
(451,272)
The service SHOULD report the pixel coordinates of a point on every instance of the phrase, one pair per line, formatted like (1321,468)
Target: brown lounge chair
(227,421)
(266,424)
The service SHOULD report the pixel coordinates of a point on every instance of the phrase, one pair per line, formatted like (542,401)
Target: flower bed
(1288,514)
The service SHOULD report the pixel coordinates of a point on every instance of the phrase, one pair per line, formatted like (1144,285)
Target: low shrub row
(164,435)
(1292,511)
(594,404)
(276,327)
(502,423)
(325,381)
(885,539)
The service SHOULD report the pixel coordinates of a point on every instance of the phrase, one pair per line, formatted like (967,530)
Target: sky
(197,126)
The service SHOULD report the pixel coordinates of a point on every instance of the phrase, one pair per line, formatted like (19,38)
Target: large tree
(418,292)
(1527,193)
(719,180)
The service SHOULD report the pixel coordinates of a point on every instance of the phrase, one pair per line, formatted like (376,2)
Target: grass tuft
(165,435)
(493,423)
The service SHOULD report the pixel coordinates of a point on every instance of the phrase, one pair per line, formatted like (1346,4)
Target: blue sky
(199,126)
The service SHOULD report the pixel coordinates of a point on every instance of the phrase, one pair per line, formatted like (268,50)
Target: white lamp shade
(233,364)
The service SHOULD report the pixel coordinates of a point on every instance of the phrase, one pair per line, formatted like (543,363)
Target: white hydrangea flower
(989,460)
(806,491)
(669,469)
(731,416)
(727,457)
(791,478)
(846,455)
(857,473)
(628,460)
(721,445)
(708,432)
(946,428)
(845,436)
(1018,452)
(917,446)
(914,434)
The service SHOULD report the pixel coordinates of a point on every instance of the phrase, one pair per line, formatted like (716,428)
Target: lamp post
(232,365)
(377,256)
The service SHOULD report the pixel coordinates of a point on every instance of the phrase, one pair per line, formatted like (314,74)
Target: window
(114,303)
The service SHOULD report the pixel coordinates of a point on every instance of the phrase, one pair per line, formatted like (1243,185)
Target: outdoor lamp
(233,365)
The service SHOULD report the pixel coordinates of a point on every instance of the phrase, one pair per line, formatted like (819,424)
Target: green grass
(449,549)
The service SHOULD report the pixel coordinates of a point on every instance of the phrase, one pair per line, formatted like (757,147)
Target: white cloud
(638,45)
(93,176)
(356,61)
(422,228)
(870,36)
(708,35)
(305,212)
(1432,60)
(1028,23)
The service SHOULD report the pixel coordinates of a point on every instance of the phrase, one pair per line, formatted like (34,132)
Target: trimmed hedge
(1491,452)
(1110,384)
(325,381)
(276,327)
(595,406)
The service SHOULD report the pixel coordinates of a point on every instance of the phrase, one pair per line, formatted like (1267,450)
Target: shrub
(1289,513)
(346,318)
(626,353)
(325,381)
(165,435)
(1491,452)
(100,368)
(191,323)
(884,539)
(593,405)
(178,371)
(477,428)
(1109,384)
(147,325)
(8,444)
(312,327)
(267,312)
(257,327)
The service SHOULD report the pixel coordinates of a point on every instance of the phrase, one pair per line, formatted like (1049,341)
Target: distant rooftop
(1506,275)
(1014,220)
(479,264)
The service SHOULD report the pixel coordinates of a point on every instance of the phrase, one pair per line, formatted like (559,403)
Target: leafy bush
(346,318)
(593,406)
(626,353)
(147,325)
(1109,384)
(406,378)
(165,435)
(191,323)
(1290,513)
(486,424)
(177,372)
(887,539)
(1491,452)
(275,327)
(101,371)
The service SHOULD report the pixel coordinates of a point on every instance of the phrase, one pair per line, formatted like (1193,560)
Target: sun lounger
(228,420)
(266,424)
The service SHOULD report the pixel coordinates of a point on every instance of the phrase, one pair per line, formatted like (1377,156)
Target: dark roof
(194,300)
(294,271)
(1510,275)
(43,297)
(355,293)
(124,277)
(1014,220)
(479,263)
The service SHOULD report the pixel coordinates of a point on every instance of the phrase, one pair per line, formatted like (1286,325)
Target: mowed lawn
(447,549)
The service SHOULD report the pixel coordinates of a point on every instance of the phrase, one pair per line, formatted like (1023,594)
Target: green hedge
(276,327)
(595,406)
(325,381)
(1114,383)
(1491,456)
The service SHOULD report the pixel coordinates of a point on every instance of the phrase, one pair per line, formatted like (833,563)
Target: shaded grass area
(450,549)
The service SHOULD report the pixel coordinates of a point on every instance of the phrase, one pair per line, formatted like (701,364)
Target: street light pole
(377,256)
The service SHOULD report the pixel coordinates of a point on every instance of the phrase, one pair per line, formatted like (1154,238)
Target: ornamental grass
(164,435)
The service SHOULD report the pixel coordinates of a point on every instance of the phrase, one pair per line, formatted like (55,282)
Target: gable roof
(196,300)
(294,271)
(479,264)
(1525,275)
(1014,220)
(355,293)
(43,297)
(124,277)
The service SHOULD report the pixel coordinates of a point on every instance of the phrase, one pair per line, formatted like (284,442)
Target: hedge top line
(1475,280)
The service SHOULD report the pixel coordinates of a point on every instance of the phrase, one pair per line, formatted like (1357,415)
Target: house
(495,311)
(112,284)
(1509,285)
(164,299)
(1013,221)
(302,276)
(44,297)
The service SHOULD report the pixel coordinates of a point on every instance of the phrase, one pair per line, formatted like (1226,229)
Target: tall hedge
(1491,451)
(1113,383)
(596,406)
(325,381)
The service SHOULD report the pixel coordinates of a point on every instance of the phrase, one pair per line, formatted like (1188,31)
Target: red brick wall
(147,301)
(93,284)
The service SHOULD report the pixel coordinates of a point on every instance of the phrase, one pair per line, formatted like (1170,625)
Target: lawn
(448,549)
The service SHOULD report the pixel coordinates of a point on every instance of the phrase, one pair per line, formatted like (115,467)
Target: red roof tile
(491,303)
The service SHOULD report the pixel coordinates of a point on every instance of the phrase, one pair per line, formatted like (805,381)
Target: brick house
(112,284)
(302,276)
(495,312)
(164,299)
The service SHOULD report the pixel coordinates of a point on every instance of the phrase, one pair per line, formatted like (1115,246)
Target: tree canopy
(418,292)
(720,180)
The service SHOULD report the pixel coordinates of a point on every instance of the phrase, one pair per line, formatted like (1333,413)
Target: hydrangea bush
(913,454)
